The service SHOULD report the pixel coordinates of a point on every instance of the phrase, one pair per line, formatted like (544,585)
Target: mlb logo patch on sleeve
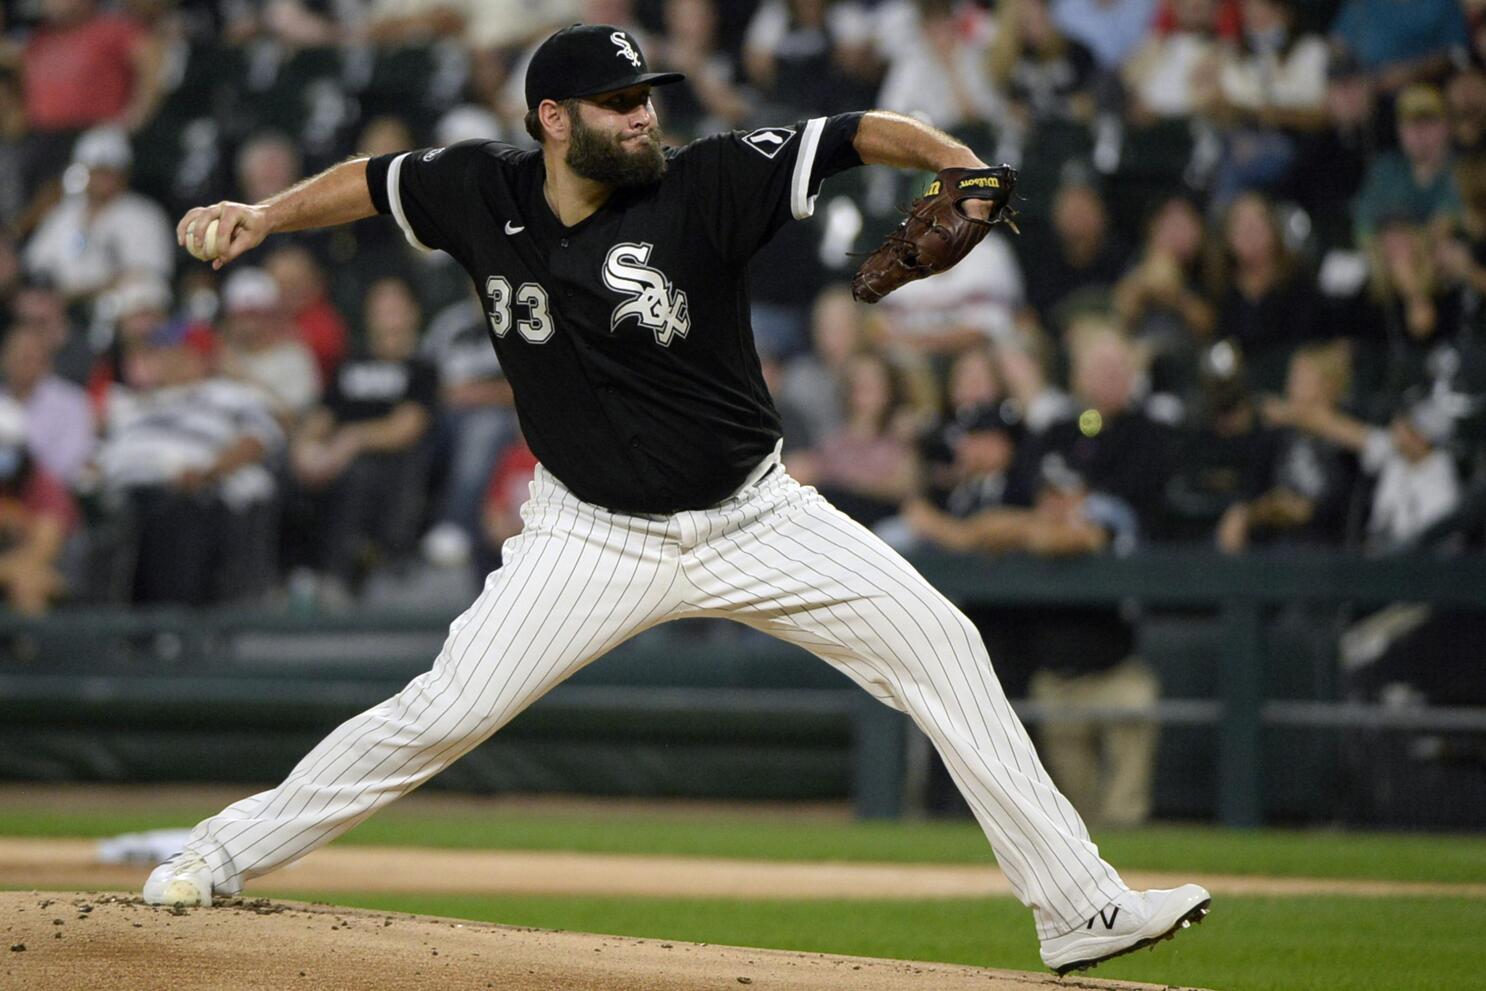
(768,141)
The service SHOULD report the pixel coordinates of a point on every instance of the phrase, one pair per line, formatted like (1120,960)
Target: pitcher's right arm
(339,195)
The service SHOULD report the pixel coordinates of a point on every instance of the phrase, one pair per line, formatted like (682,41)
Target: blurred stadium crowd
(1246,308)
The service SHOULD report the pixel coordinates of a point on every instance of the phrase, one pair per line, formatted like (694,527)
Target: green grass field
(1247,944)
(1209,849)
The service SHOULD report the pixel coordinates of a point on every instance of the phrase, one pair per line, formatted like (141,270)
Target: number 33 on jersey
(625,337)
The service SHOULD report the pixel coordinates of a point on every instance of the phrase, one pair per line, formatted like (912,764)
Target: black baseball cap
(585,59)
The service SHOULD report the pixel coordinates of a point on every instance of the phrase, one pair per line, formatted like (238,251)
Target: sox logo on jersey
(654,302)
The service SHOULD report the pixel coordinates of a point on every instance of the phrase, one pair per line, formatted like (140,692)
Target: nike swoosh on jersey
(514,230)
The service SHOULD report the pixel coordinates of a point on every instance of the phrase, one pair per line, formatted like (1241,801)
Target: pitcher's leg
(809,575)
(572,589)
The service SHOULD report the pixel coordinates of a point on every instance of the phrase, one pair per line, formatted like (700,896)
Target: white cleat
(1134,920)
(184,880)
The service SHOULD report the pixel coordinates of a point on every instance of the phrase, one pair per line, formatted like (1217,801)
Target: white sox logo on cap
(626,50)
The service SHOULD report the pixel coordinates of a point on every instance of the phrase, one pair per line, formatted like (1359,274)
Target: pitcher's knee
(431,711)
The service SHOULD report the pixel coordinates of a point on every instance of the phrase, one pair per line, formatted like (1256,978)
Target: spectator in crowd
(1160,298)
(188,453)
(1227,452)
(984,474)
(38,304)
(1401,43)
(361,456)
(1417,481)
(1078,265)
(1416,181)
(867,466)
(1306,499)
(1112,442)
(711,98)
(476,423)
(935,51)
(140,304)
(84,67)
(269,162)
(1044,74)
(1084,656)
(1333,161)
(36,516)
(807,57)
(60,434)
(261,349)
(1176,73)
(1272,88)
(1413,307)
(92,237)
(973,388)
(974,381)
(1113,30)
(302,289)
(1267,301)
(813,381)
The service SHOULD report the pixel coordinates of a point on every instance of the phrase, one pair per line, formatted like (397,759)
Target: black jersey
(626,337)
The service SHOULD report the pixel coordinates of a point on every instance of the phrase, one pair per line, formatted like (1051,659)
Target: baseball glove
(937,232)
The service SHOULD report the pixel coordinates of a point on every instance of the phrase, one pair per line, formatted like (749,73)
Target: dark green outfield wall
(237,697)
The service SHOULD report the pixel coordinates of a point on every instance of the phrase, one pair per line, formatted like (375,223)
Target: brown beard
(598,156)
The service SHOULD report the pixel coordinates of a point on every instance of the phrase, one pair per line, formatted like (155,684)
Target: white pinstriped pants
(579,580)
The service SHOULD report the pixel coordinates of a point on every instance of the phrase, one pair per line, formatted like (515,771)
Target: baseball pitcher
(613,277)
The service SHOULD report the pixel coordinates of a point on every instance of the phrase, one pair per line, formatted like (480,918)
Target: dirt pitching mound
(55,941)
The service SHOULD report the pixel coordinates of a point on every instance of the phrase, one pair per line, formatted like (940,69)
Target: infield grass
(1319,853)
(1246,944)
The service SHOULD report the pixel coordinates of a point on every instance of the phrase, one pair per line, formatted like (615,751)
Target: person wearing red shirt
(80,68)
(36,515)
(320,326)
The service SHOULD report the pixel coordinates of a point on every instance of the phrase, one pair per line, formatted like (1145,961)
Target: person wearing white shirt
(1418,483)
(102,230)
(936,64)
(260,348)
(1270,88)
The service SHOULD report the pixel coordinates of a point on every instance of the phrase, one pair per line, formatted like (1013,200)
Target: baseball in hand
(208,249)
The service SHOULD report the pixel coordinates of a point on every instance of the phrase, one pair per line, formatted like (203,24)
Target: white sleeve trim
(801,202)
(394,197)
